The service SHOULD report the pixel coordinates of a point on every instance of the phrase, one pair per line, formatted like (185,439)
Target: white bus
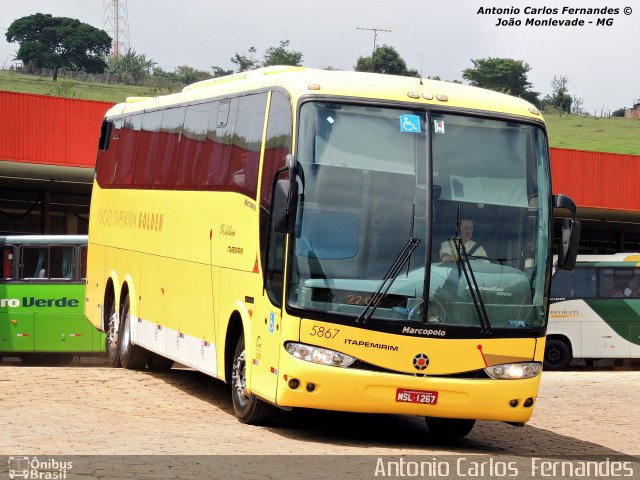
(595,310)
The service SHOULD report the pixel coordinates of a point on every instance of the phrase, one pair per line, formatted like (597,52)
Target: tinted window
(620,282)
(561,284)
(148,144)
(585,282)
(106,163)
(126,154)
(247,143)
(277,144)
(192,143)
(218,145)
(164,173)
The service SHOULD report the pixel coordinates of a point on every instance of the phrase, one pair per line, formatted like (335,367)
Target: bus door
(267,322)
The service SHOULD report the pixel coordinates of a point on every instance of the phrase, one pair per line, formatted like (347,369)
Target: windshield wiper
(462,259)
(394,271)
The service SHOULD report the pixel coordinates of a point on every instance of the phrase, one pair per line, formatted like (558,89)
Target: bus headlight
(513,371)
(323,356)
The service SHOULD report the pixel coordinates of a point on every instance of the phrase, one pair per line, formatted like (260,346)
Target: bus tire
(132,357)
(450,428)
(158,363)
(557,354)
(112,345)
(247,407)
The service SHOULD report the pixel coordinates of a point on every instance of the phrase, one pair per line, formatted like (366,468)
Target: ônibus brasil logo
(35,468)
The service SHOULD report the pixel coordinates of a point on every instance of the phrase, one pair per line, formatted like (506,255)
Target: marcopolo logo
(35,468)
(61,302)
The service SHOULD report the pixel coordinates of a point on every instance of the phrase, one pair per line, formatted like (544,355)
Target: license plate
(416,396)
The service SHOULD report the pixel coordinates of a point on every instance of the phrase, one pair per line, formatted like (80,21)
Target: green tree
(559,97)
(385,59)
(220,72)
(621,112)
(131,68)
(502,75)
(281,55)
(243,62)
(187,75)
(59,42)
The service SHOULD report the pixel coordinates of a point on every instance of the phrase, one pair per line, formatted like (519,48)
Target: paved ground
(97,410)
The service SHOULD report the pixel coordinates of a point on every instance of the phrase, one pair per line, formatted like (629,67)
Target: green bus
(42,299)
(595,311)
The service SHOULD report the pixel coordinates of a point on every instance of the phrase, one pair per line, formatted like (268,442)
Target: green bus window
(7,263)
(35,262)
(61,262)
(83,262)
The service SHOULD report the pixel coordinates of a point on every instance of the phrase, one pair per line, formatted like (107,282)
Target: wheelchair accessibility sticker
(410,123)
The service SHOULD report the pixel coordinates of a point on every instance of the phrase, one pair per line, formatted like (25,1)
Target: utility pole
(375,35)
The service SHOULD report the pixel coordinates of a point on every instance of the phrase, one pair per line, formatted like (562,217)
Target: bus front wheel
(557,354)
(246,406)
(449,427)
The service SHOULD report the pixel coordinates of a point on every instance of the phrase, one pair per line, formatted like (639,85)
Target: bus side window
(585,282)
(7,262)
(61,262)
(244,161)
(616,282)
(35,262)
(562,284)
(83,262)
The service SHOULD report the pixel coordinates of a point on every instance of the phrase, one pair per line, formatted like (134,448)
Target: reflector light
(427,95)
(442,98)
(413,95)
(314,86)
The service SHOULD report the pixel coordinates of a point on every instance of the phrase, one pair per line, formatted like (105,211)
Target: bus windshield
(472,192)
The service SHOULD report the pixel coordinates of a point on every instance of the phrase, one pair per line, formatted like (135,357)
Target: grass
(614,135)
(64,87)
(599,134)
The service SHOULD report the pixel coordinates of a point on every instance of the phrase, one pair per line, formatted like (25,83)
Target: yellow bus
(281,230)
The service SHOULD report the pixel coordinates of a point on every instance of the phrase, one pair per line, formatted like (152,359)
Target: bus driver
(474,250)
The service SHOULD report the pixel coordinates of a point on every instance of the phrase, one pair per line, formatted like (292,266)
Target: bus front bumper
(309,385)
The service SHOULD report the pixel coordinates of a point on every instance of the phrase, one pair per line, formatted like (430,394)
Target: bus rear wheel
(557,354)
(246,406)
(132,357)
(449,427)
(112,344)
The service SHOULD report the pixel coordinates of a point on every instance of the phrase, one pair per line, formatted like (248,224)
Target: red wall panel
(62,131)
(595,179)
(50,130)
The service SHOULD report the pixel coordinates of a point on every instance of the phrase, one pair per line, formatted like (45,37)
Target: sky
(439,38)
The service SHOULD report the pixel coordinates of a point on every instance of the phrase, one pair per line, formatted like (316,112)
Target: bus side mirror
(570,233)
(284,206)
(105,135)
(570,243)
